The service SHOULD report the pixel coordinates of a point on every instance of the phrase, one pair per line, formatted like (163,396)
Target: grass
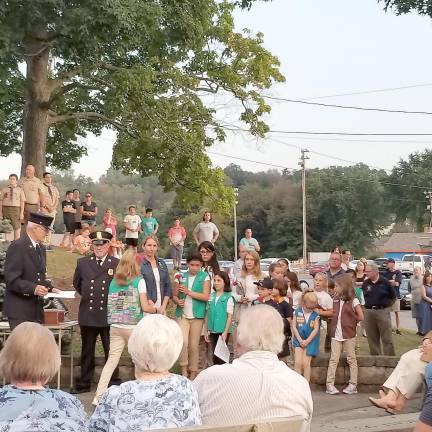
(61,266)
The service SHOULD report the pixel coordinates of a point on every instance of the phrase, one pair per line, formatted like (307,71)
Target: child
(149,224)
(294,287)
(265,291)
(220,313)
(347,311)
(276,271)
(82,242)
(127,300)
(325,306)
(305,327)
(280,288)
(191,294)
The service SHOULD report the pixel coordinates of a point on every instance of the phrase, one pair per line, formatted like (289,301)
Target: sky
(326,48)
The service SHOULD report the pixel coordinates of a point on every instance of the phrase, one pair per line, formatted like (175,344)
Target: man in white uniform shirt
(133,226)
(257,386)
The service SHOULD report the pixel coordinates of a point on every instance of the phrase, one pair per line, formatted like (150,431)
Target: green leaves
(142,68)
(410,179)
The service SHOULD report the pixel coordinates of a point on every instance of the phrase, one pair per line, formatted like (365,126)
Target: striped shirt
(255,387)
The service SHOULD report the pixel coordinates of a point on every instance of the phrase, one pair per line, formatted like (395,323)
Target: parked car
(405,301)
(409,261)
(319,267)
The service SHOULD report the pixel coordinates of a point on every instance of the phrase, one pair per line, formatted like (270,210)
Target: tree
(346,206)
(144,68)
(423,7)
(408,182)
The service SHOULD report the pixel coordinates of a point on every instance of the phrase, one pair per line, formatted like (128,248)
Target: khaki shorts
(13,214)
(396,306)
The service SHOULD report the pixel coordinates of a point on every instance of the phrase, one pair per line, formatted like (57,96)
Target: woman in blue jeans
(155,274)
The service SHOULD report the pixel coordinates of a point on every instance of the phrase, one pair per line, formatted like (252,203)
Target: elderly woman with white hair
(28,360)
(156,399)
(256,386)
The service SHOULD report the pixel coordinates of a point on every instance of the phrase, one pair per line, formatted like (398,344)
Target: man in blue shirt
(379,295)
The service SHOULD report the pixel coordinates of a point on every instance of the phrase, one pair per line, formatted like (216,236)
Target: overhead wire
(350,107)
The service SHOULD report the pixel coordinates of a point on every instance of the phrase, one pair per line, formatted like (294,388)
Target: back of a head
(29,354)
(155,343)
(261,329)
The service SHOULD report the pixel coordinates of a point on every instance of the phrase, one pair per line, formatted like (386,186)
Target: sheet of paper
(61,294)
(221,350)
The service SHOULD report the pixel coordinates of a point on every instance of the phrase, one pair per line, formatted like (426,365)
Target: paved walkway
(343,413)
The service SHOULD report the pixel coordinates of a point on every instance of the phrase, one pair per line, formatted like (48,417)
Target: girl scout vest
(198,306)
(217,313)
(124,305)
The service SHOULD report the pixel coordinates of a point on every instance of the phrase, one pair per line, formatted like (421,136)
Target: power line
(239,129)
(389,89)
(284,167)
(351,107)
(327,155)
(249,160)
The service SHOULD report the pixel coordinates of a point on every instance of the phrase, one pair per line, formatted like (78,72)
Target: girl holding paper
(219,313)
(191,294)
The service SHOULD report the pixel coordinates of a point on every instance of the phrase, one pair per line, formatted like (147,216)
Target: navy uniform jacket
(92,283)
(23,271)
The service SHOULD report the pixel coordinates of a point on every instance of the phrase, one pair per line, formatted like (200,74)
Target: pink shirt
(176,234)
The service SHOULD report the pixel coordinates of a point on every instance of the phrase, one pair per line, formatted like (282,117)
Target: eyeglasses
(204,252)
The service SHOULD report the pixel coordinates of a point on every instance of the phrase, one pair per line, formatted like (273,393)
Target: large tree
(144,68)
(408,186)
(423,7)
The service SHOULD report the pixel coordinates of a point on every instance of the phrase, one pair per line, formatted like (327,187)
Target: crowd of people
(259,320)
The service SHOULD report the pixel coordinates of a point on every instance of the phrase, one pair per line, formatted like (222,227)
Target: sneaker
(332,390)
(350,389)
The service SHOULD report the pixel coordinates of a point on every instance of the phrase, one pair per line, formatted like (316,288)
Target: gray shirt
(415,285)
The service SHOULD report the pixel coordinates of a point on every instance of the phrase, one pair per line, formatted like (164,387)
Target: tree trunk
(37,94)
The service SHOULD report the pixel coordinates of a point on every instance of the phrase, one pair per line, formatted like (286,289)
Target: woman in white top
(415,286)
(246,291)
(206,230)
(127,300)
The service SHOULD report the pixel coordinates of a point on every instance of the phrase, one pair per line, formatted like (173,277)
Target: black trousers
(88,346)
(213,341)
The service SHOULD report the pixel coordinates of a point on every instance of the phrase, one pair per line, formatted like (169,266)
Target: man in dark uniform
(395,278)
(379,295)
(25,273)
(92,278)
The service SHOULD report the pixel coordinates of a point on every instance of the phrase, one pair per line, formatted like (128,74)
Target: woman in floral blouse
(156,399)
(29,359)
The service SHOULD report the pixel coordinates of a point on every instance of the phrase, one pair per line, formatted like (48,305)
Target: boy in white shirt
(133,226)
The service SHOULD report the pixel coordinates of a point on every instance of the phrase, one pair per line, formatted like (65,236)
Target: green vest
(124,306)
(217,313)
(198,306)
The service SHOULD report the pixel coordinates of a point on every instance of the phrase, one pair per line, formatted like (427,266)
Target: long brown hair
(294,282)
(127,269)
(345,287)
(256,271)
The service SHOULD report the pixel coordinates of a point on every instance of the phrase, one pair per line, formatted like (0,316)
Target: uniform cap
(41,219)
(100,237)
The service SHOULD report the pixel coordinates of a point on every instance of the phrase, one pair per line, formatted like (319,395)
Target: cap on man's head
(41,219)
(391,260)
(265,283)
(100,237)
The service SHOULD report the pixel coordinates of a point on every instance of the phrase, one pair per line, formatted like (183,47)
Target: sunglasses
(88,196)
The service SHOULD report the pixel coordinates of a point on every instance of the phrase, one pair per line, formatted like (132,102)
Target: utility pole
(302,163)
(236,193)
(428,195)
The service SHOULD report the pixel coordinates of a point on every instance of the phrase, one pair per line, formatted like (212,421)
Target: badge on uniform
(110,272)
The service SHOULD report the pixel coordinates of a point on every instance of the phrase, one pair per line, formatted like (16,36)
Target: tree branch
(88,116)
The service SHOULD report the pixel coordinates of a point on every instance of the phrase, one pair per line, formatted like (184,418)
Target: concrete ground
(343,413)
